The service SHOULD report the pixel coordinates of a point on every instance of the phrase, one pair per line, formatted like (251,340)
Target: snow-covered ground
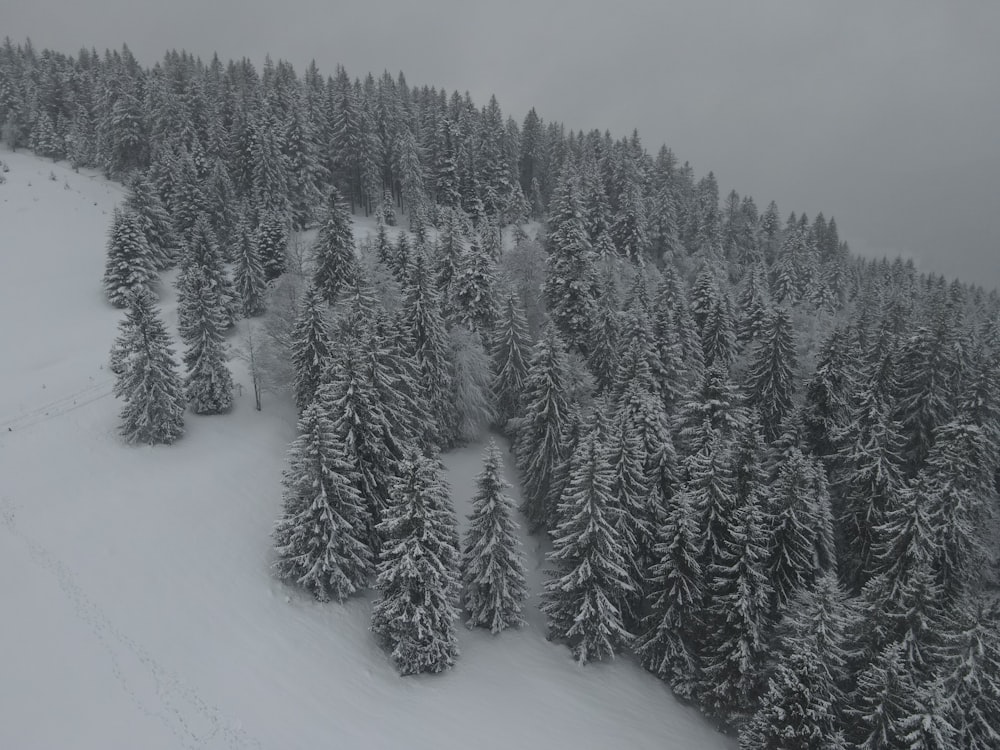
(138,607)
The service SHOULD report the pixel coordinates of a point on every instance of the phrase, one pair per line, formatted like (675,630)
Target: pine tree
(336,264)
(635,518)
(956,487)
(248,273)
(737,620)
(509,361)
(470,371)
(492,563)
(144,201)
(130,261)
(972,678)
(868,483)
(209,384)
(581,596)
(828,393)
(202,252)
(538,443)
(771,377)
(719,335)
(804,702)
(271,236)
(474,291)
(671,630)
(311,347)
(882,702)
(147,377)
(414,616)
(421,314)
(571,279)
(930,368)
(363,423)
(801,533)
(320,538)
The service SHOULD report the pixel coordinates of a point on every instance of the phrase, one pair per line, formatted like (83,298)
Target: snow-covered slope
(138,608)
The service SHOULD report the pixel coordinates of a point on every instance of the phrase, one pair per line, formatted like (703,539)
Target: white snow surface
(139,609)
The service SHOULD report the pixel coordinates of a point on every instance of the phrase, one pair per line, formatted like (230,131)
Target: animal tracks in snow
(155,691)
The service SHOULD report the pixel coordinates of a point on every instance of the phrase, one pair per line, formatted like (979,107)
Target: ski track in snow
(196,723)
(97,390)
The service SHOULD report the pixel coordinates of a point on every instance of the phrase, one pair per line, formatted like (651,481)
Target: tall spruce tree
(668,643)
(770,381)
(737,616)
(421,315)
(144,201)
(972,678)
(583,593)
(147,378)
(801,527)
(336,264)
(209,384)
(130,262)
(248,270)
(804,702)
(538,443)
(311,347)
(492,563)
(418,580)
(321,537)
(509,361)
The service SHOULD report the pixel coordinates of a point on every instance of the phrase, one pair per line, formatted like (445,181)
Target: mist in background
(884,115)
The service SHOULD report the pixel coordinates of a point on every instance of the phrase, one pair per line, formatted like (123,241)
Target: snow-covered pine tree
(828,394)
(931,367)
(972,677)
(209,384)
(474,291)
(363,425)
(271,236)
(470,370)
(718,336)
(311,347)
(800,536)
(509,361)
(538,443)
(202,251)
(956,488)
(248,271)
(418,580)
(321,537)
(421,314)
(335,261)
(492,562)
(804,702)
(583,592)
(606,343)
(668,643)
(147,377)
(770,381)
(868,483)
(635,518)
(737,616)
(882,703)
(130,264)
(144,201)
(571,286)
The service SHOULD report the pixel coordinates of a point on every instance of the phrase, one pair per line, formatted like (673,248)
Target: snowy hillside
(139,610)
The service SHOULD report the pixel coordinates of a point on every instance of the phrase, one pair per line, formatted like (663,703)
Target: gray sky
(884,114)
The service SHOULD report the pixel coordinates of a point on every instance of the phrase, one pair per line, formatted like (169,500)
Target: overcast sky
(883,114)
